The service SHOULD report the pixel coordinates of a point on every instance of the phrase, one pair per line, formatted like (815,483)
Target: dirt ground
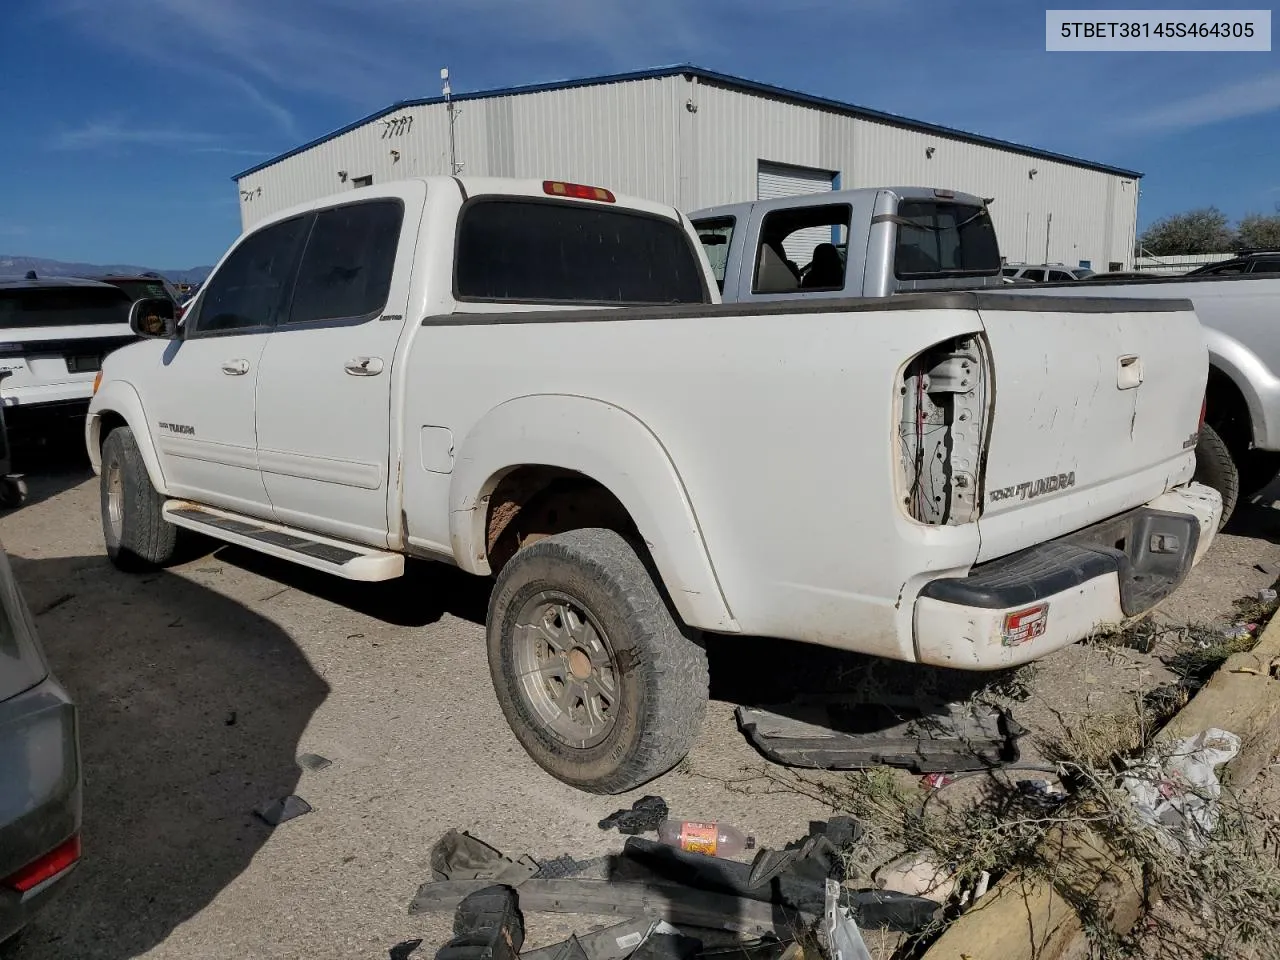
(200,686)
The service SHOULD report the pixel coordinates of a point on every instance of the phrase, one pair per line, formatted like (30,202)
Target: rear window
(548,252)
(63,306)
(939,240)
(141,289)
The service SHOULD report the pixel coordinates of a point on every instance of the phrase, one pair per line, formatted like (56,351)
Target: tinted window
(528,250)
(1035,276)
(141,289)
(938,240)
(716,235)
(1227,269)
(249,289)
(62,306)
(1266,266)
(1059,276)
(346,267)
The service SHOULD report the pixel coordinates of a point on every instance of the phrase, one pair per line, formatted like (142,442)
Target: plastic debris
(936,781)
(313,761)
(1043,791)
(403,950)
(710,838)
(844,939)
(486,926)
(1238,631)
(1177,790)
(278,811)
(643,817)
(918,874)
(1267,595)
(460,856)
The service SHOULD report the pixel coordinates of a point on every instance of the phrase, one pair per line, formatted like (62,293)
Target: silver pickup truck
(878,242)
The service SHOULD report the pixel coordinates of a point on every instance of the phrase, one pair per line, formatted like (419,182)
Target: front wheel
(1216,468)
(136,533)
(599,683)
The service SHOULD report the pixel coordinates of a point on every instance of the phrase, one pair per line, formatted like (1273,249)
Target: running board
(347,560)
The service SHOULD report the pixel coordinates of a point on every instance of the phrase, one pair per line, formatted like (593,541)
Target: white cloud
(97,134)
(1232,101)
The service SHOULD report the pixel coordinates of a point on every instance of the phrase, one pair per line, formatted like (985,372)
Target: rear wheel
(598,682)
(136,534)
(1216,468)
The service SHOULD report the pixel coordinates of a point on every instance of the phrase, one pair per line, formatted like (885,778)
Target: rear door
(1097,406)
(324,391)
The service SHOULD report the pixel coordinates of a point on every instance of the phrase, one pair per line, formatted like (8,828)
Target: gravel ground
(199,686)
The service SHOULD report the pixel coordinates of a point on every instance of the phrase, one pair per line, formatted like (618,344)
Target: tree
(1196,231)
(1259,230)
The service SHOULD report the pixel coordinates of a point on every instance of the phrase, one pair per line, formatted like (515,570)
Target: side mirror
(155,317)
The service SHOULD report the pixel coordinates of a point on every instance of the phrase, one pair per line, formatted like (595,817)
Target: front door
(201,401)
(324,393)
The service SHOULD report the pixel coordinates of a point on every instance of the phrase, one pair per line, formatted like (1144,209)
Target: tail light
(577,191)
(47,867)
(97,382)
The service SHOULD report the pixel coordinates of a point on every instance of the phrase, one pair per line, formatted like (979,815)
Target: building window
(363,181)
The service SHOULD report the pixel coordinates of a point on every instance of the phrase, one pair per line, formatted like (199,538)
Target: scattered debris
(460,856)
(313,761)
(1178,789)
(712,839)
(832,733)
(403,950)
(936,781)
(230,720)
(844,939)
(918,874)
(487,925)
(1270,569)
(1267,596)
(561,866)
(279,811)
(1237,631)
(643,817)
(616,942)
(1045,791)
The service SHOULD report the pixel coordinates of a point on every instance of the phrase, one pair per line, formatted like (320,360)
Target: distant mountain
(14,266)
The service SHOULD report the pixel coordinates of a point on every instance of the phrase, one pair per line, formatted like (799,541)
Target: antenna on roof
(454,166)
(31,275)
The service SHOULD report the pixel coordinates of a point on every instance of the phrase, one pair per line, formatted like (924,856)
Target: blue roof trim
(723,79)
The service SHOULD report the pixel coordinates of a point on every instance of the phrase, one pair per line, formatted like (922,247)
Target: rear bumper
(1021,607)
(40,793)
(78,389)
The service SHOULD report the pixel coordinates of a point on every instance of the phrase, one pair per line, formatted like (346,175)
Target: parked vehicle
(535,381)
(1046,272)
(1120,275)
(54,333)
(1247,261)
(1241,448)
(145,285)
(40,782)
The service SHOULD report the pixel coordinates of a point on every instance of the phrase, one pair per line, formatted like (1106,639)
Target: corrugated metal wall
(695,144)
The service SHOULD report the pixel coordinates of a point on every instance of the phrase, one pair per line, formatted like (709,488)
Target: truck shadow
(51,468)
(191,710)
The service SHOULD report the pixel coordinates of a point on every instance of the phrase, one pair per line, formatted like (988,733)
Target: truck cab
(871,242)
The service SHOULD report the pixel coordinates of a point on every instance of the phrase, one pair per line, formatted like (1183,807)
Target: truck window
(346,266)
(940,240)
(716,235)
(1266,265)
(62,306)
(247,291)
(1035,276)
(801,249)
(545,251)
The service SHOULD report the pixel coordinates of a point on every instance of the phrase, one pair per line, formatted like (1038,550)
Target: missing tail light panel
(943,427)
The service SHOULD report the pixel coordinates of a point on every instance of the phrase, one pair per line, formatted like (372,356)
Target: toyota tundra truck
(535,381)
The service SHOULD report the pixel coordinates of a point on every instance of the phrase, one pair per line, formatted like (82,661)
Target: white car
(1045,272)
(535,380)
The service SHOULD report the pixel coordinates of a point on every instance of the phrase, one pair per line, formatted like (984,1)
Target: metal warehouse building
(693,138)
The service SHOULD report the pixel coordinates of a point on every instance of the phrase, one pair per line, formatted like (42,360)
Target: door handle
(235,368)
(364,366)
(1129,372)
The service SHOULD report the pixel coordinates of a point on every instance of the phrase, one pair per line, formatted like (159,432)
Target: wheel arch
(117,404)
(1237,378)
(557,437)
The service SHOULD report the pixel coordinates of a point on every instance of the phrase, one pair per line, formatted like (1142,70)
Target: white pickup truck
(536,381)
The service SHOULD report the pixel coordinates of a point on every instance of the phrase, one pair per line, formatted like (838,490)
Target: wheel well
(108,420)
(1227,412)
(533,502)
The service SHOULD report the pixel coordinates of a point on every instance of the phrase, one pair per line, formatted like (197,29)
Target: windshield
(937,240)
(63,306)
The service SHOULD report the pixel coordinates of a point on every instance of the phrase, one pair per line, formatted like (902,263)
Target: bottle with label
(712,839)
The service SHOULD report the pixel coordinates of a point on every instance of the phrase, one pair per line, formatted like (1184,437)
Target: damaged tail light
(60,858)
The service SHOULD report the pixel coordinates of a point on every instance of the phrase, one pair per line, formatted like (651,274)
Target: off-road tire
(1216,468)
(662,671)
(144,540)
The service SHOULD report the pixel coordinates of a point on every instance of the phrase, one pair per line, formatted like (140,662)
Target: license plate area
(1154,550)
(90,363)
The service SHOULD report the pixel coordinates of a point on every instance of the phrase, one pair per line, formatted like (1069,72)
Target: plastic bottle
(712,839)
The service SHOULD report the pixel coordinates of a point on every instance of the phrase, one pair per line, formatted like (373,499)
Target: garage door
(775,180)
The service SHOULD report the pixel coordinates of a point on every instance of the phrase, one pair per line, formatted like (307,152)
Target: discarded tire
(599,683)
(136,534)
(1216,468)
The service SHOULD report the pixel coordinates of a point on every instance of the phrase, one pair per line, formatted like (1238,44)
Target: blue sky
(124,120)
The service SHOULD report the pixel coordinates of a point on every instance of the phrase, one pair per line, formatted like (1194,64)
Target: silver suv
(1045,272)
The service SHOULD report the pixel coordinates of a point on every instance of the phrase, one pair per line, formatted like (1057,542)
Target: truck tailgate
(1096,412)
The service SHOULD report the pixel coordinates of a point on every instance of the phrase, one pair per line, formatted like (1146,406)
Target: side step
(347,560)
